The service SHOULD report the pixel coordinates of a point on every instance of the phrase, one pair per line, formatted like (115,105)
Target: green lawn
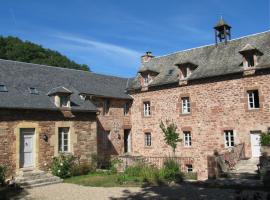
(101,179)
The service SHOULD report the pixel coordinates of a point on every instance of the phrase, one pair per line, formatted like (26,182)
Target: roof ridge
(62,68)
(208,45)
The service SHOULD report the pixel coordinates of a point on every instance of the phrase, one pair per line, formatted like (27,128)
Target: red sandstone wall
(84,129)
(214,107)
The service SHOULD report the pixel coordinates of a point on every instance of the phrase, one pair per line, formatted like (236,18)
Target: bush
(62,165)
(81,169)
(265,139)
(151,174)
(135,170)
(3,171)
(171,171)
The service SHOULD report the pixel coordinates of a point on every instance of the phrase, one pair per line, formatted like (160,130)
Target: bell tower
(222,31)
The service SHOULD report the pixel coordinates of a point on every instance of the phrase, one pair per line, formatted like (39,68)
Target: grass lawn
(101,179)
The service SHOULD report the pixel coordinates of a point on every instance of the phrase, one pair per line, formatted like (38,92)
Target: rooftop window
(3,88)
(33,90)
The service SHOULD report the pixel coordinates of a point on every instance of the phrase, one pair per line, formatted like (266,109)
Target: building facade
(217,95)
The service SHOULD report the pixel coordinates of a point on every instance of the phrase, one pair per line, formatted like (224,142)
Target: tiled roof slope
(212,60)
(19,77)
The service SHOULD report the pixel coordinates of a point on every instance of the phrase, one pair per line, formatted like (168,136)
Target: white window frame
(229,138)
(61,139)
(147,139)
(189,168)
(147,108)
(185,105)
(251,99)
(249,58)
(187,139)
(146,79)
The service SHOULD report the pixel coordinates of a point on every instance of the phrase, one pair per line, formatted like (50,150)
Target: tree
(171,137)
(13,48)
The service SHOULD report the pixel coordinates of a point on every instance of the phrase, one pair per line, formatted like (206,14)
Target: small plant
(62,165)
(265,139)
(171,171)
(170,135)
(3,171)
(113,164)
(135,170)
(121,178)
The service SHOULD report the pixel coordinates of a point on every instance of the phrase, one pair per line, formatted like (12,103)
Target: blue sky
(111,35)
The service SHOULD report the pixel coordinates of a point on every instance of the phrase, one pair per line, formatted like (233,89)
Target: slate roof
(212,60)
(19,77)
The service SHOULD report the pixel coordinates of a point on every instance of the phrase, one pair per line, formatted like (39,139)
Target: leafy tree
(12,48)
(171,137)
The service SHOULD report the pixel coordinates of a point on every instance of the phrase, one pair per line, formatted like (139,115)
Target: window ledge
(185,114)
(148,147)
(253,109)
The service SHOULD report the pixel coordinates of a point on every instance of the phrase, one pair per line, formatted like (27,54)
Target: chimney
(146,57)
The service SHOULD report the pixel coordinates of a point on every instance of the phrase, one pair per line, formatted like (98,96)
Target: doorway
(255,140)
(27,147)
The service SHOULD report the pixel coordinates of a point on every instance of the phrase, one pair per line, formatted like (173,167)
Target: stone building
(217,95)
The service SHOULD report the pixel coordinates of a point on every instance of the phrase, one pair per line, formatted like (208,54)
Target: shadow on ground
(12,193)
(187,191)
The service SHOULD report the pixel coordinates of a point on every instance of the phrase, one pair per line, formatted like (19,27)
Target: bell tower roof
(221,23)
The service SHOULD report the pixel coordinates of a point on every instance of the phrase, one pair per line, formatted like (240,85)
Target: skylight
(3,88)
(33,90)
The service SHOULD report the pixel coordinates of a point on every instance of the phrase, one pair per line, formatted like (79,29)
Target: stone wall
(82,133)
(216,105)
(114,122)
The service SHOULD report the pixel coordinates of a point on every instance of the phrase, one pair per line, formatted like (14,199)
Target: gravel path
(65,191)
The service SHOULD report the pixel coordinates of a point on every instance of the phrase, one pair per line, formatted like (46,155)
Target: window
(106,139)
(249,61)
(170,71)
(253,99)
(64,101)
(146,80)
(3,88)
(146,108)
(106,107)
(63,139)
(187,139)
(185,105)
(33,90)
(184,72)
(229,138)
(189,168)
(126,108)
(147,139)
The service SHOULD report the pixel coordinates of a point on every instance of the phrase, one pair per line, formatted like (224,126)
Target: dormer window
(250,56)
(3,88)
(146,79)
(61,97)
(186,69)
(64,101)
(33,90)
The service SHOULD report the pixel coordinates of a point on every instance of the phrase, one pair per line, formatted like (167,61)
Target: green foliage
(265,139)
(151,174)
(171,171)
(12,48)
(113,164)
(3,171)
(170,135)
(81,168)
(62,165)
(190,175)
(135,170)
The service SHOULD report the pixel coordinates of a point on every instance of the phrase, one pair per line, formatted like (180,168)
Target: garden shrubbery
(265,139)
(151,174)
(3,171)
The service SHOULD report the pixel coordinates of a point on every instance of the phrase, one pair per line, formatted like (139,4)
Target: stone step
(28,179)
(39,181)
(243,175)
(43,184)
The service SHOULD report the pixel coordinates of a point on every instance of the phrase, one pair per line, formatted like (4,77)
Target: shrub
(81,169)
(151,174)
(171,171)
(265,139)
(135,170)
(62,165)
(113,164)
(3,171)
(121,178)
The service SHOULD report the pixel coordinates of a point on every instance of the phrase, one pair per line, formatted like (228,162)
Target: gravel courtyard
(65,191)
